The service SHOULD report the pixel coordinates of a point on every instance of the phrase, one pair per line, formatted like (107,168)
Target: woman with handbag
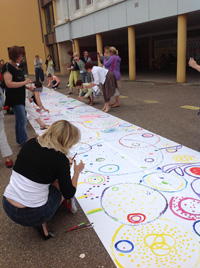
(113,64)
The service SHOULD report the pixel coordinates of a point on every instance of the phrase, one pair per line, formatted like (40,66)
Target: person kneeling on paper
(84,91)
(33,191)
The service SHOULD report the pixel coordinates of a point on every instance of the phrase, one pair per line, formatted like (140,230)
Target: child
(84,91)
(54,81)
(29,107)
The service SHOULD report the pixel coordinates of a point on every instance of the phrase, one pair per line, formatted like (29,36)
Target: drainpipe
(70,31)
(40,21)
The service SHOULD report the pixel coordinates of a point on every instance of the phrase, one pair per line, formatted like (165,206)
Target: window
(89,2)
(49,18)
(77,4)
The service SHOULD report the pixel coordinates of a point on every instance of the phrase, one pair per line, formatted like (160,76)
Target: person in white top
(107,79)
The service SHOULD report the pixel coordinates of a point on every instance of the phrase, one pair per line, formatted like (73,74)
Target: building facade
(148,33)
(20,25)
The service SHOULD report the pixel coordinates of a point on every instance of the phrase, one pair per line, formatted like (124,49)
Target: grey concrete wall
(123,14)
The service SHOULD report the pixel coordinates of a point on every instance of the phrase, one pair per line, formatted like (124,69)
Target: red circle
(195,170)
(141,217)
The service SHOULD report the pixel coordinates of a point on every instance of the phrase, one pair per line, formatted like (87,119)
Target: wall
(121,14)
(20,25)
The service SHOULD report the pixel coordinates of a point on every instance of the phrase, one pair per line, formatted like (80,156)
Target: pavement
(154,102)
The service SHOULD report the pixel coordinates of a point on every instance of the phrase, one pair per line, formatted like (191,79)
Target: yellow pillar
(150,52)
(55,12)
(131,51)
(76,47)
(181,48)
(99,46)
(73,47)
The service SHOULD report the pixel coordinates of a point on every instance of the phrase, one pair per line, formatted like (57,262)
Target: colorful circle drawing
(125,124)
(110,168)
(165,182)
(130,140)
(162,243)
(195,185)
(185,207)
(182,158)
(80,148)
(133,204)
(124,246)
(196,227)
(101,123)
(193,170)
(136,218)
(95,180)
(101,159)
(111,130)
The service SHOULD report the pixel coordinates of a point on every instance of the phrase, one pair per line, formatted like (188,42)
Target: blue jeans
(20,124)
(39,74)
(34,216)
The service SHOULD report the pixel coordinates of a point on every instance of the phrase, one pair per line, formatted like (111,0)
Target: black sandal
(41,232)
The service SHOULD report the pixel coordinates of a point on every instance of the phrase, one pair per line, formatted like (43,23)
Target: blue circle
(195,227)
(100,169)
(124,251)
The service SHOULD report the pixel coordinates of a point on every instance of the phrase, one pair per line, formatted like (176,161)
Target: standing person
(4,146)
(15,91)
(39,74)
(74,73)
(105,55)
(107,79)
(50,65)
(86,59)
(81,65)
(113,65)
(33,195)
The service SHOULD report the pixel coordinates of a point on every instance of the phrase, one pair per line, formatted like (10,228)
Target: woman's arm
(10,84)
(192,63)
(39,103)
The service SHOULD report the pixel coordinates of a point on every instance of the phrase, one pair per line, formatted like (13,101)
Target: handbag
(96,92)
(2,98)
(112,67)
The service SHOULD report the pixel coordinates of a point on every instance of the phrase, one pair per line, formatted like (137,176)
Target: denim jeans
(34,216)
(39,74)
(20,124)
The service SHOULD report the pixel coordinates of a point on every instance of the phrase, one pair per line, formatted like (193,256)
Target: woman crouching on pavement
(41,179)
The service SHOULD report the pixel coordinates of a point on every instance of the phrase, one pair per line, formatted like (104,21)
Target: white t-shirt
(26,192)
(99,75)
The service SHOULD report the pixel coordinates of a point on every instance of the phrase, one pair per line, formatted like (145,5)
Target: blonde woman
(113,64)
(33,195)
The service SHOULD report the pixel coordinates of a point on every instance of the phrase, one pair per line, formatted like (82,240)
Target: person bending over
(53,80)
(41,179)
(84,91)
